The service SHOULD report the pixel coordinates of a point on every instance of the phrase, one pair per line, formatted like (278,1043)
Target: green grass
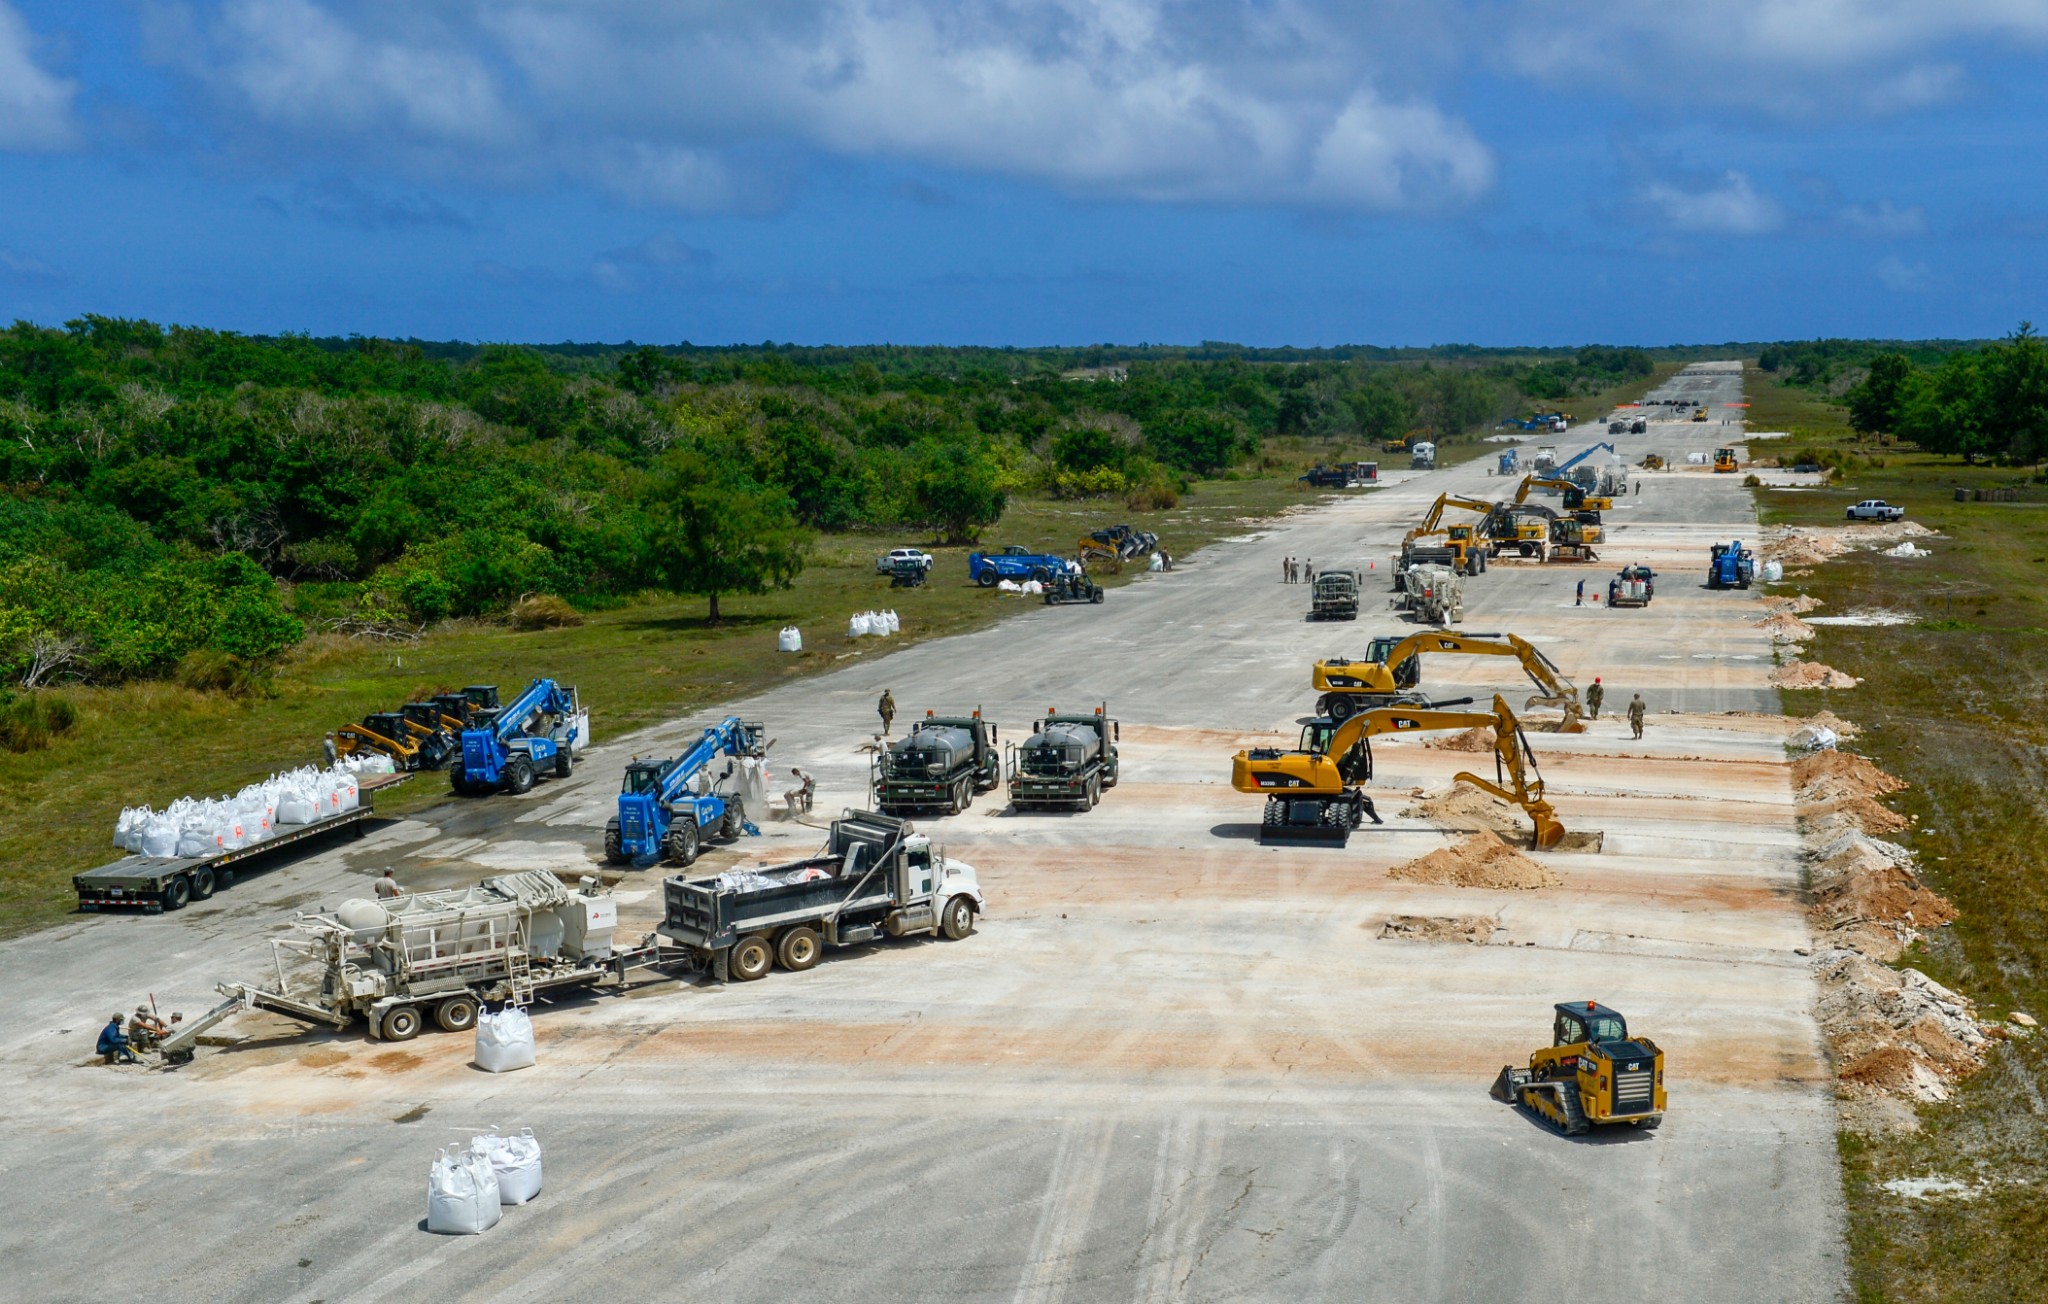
(646,661)
(1951,703)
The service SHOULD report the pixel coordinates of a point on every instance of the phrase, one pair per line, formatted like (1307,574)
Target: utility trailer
(876,876)
(1068,761)
(155,884)
(392,965)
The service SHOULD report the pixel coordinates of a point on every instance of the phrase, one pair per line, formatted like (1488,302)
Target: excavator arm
(1344,760)
(1434,517)
(1553,689)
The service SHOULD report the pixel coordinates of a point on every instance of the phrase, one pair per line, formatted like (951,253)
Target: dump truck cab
(1334,595)
(1593,1072)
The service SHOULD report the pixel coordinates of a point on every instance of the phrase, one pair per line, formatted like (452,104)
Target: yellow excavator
(1592,1073)
(1392,666)
(1312,793)
(1576,500)
(1463,547)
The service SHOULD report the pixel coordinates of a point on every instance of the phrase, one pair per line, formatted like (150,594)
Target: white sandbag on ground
(1814,738)
(462,1194)
(514,1161)
(858,626)
(504,1041)
(791,639)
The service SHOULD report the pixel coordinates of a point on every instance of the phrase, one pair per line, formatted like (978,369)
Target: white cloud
(1794,58)
(20,269)
(689,106)
(1883,220)
(35,107)
(1727,206)
(1903,277)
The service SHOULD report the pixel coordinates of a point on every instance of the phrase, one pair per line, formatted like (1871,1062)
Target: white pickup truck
(1875,509)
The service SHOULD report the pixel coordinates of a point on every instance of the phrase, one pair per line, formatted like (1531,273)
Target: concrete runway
(1170,1064)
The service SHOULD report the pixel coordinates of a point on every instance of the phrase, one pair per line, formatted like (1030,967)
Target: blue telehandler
(530,736)
(668,807)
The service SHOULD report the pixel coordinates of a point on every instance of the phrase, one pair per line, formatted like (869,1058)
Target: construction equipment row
(1391,669)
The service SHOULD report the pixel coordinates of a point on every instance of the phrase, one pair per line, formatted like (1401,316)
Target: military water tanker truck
(940,765)
(1068,761)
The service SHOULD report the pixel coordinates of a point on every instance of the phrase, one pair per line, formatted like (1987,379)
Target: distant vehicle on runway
(1875,509)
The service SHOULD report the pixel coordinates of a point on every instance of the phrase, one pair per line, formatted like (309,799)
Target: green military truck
(1068,761)
(1334,595)
(940,765)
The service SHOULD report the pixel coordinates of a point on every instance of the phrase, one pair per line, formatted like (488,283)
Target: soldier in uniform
(886,708)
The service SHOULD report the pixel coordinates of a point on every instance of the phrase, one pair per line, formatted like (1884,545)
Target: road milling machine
(1390,670)
(1313,792)
(1592,1073)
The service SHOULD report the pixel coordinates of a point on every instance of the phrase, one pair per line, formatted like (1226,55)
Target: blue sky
(1029,171)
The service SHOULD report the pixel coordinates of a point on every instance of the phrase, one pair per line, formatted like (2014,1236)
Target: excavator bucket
(1548,831)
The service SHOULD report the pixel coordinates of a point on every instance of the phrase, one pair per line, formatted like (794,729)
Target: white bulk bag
(514,1161)
(1157,563)
(160,837)
(858,626)
(296,806)
(1773,572)
(462,1194)
(1814,738)
(504,1041)
(894,623)
(1031,588)
(127,827)
(791,639)
(346,794)
(1006,586)
(195,841)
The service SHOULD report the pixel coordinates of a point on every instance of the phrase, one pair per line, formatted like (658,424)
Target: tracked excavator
(1312,793)
(1593,1072)
(1392,667)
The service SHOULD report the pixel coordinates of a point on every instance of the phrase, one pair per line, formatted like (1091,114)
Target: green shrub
(210,670)
(29,722)
(544,611)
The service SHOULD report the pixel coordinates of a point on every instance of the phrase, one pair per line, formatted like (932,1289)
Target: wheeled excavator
(1392,667)
(1593,1072)
(1463,547)
(1313,795)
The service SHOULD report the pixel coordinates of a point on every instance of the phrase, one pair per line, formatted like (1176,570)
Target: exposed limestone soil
(1474,929)
(1465,807)
(1481,860)
(1472,740)
(1811,674)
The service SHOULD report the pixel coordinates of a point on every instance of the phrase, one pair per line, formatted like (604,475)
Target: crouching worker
(802,789)
(114,1042)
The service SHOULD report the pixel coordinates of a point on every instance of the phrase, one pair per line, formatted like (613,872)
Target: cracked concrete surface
(1171,1064)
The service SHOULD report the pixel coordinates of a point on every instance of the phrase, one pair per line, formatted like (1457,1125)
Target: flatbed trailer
(154,884)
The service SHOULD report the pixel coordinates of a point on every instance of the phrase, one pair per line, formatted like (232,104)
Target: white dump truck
(435,955)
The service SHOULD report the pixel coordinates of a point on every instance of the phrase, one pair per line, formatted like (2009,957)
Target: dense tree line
(1990,402)
(170,496)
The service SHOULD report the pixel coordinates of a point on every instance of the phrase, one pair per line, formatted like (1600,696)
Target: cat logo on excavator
(1592,1073)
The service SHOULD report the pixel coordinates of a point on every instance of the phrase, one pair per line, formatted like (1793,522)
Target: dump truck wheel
(798,949)
(614,843)
(456,1014)
(401,1023)
(682,842)
(958,919)
(752,958)
(202,884)
(518,775)
(176,893)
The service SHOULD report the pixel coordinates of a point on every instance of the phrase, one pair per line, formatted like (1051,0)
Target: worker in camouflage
(886,708)
(1595,695)
(1635,714)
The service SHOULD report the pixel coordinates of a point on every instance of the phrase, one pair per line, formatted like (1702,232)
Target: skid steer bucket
(1507,1088)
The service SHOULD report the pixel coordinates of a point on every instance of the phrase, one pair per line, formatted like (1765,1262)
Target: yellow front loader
(1312,793)
(1592,1073)
(1392,667)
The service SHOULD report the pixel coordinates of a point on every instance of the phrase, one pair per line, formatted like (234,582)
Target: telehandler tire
(683,844)
(752,958)
(518,775)
(988,578)
(735,822)
(564,766)
(614,842)
(458,780)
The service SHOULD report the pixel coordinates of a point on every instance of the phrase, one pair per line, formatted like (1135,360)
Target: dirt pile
(1798,604)
(1472,740)
(1896,1032)
(1472,929)
(1786,627)
(1810,545)
(1465,807)
(1829,720)
(1481,860)
(1811,674)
